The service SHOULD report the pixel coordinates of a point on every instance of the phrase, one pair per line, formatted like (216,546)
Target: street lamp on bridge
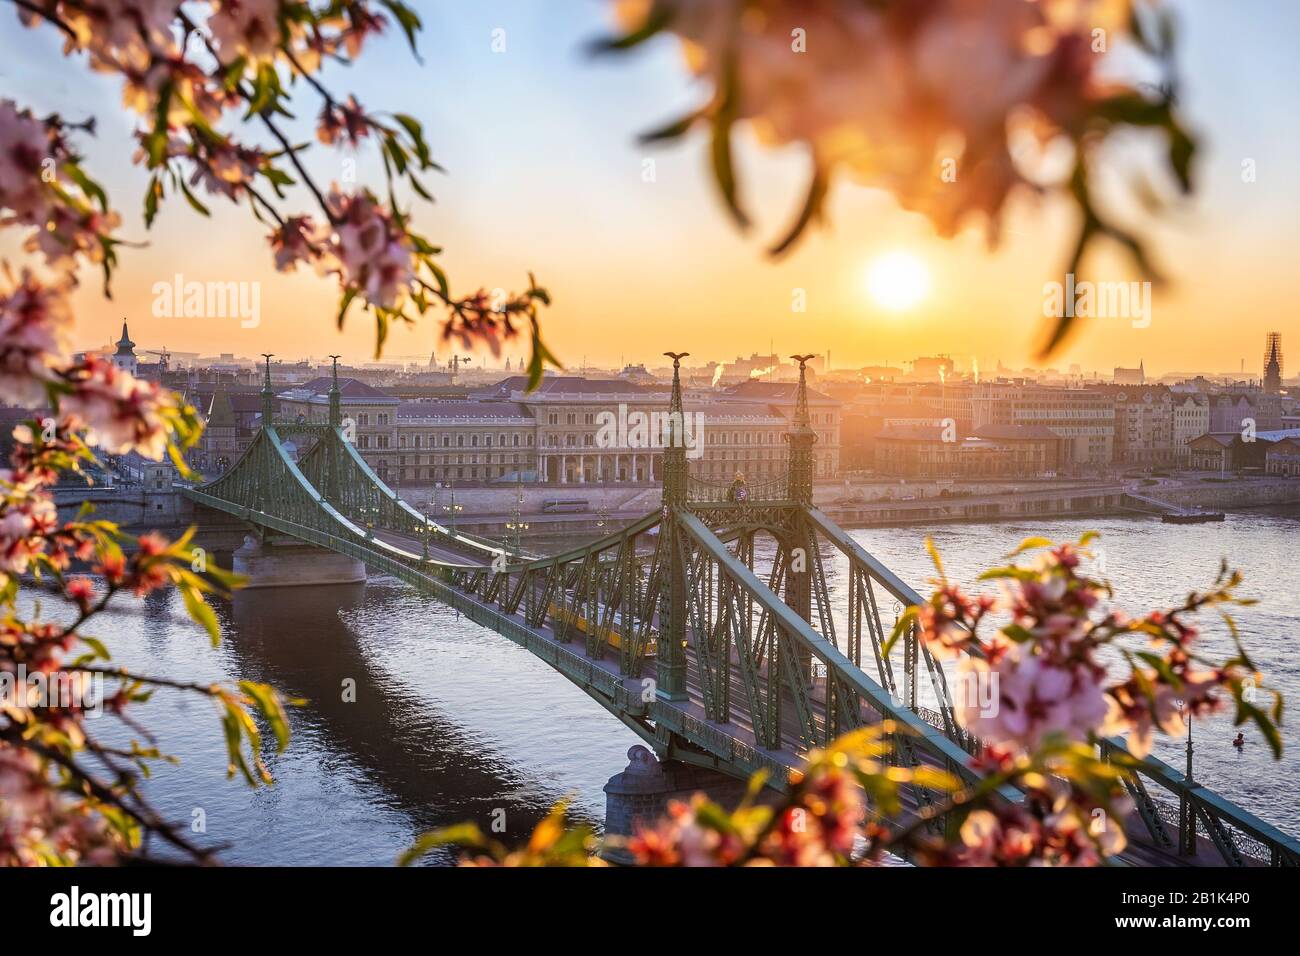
(451,510)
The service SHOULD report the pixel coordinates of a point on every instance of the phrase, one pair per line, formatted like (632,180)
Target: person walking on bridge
(738,490)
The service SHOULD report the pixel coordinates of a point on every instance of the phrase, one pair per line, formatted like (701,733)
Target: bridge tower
(268,396)
(671,679)
(802,541)
(336,415)
(802,437)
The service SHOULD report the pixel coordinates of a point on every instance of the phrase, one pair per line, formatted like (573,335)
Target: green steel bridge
(708,628)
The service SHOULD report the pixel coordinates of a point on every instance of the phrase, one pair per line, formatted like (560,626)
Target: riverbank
(855,502)
(1077,501)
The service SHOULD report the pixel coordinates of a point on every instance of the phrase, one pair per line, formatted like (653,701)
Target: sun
(898,281)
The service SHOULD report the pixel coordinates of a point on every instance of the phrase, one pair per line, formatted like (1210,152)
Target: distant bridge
(712,657)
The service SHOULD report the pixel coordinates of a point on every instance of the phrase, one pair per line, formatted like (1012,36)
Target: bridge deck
(790,755)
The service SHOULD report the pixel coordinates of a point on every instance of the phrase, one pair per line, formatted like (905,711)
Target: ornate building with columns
(560,433)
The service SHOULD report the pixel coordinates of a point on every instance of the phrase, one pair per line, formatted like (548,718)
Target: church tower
(124,358)
(1273,363)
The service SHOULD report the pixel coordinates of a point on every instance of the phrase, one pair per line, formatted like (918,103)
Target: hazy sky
(545,174)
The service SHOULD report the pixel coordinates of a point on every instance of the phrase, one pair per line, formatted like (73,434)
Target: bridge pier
(283,562)
(639,795)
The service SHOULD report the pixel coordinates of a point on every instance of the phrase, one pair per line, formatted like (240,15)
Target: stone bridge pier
(640,794)
(285,562)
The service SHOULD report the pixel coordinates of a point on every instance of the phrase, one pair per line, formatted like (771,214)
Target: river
(451,722)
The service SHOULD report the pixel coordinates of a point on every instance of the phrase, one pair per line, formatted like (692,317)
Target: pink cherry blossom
(366,249)
(26,520)
(24,145)
(294,242)
(34,323)
(120,413)
(891,91)
(245,28)
(1037,698)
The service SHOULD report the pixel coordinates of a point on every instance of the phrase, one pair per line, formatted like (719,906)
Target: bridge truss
(729,630)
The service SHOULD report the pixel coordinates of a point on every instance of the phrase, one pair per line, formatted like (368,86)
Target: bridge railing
(1240,837)
(943,749)
(1236,833)
(400,516)
(701,491)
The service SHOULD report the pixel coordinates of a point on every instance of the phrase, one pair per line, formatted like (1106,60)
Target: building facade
(995,451)
(1083,418)
(570,430)
(1282,458)
(1144,425)
(1191,419)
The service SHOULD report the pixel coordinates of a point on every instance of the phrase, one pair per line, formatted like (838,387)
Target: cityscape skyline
(622,256)
(962,365)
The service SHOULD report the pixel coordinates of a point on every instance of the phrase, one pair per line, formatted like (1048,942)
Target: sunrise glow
(898,281)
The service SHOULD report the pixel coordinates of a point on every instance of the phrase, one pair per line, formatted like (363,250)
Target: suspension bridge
(732,630)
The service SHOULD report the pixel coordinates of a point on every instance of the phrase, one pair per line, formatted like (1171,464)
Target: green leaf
(661,14)
(232,74)
(1018,633)
(416,132)
(95,645)
(235,746)
(381,330)
(534,369)
(901,626)
(396,151)
(1137,27)
(812,209)
(88,185)
(1029,544)
(724,170)
(464,834)
(933,550)
(201,612)
(192,199)
(271,707)
(1265,725)
(671,131)
(1182,148)
(346,301)
(409,21)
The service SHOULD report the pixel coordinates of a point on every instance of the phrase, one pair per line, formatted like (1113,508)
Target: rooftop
(351,391)
(775,392)
(568,386)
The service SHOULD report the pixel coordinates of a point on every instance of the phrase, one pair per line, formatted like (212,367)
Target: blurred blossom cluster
(44,192)
(951,106)
(38,826)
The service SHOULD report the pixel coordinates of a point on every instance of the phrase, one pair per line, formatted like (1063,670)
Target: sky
(545,175)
